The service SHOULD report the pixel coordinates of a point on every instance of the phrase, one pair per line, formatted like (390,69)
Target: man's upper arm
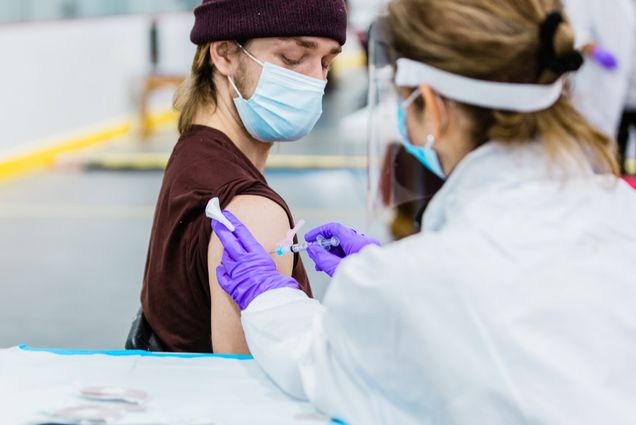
(267,221)
(269,224)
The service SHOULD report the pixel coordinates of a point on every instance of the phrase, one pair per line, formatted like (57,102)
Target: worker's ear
(224,55)
(435,112)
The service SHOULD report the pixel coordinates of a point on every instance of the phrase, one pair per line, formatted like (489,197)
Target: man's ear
(435,112)
(223,54)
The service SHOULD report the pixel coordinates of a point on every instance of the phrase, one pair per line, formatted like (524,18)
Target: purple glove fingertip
(324,260)
(231,244)
(605,58)
(324,230)
(223,278)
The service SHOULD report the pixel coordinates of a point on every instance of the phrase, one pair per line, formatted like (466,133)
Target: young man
(258,77)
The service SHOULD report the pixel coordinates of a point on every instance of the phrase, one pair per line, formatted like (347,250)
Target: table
(183,389)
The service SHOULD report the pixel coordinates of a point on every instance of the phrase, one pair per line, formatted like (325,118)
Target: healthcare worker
(516,304)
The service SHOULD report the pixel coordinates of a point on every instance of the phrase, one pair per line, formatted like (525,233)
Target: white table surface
(183,389)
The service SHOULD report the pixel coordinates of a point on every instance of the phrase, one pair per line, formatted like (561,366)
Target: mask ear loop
(438,99)
(405,104)
(409,100)
(233,84)
(251,57)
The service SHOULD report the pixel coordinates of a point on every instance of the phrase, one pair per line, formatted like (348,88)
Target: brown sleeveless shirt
(176,288)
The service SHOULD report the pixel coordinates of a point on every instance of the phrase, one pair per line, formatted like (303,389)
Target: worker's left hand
(246,270)
(351,242)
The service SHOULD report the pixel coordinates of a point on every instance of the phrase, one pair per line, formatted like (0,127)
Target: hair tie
(547,55)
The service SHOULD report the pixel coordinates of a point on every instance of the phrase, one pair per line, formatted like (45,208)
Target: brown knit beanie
(218,20)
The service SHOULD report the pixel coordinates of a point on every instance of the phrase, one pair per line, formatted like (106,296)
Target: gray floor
(74,243)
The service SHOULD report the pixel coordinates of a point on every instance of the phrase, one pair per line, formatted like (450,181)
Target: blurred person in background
(516,304)
(605,32)
(258,77)
(629,116)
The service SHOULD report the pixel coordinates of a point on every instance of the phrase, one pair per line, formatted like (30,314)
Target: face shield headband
(524,98)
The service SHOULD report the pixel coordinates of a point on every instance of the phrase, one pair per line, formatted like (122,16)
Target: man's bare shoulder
(267,220)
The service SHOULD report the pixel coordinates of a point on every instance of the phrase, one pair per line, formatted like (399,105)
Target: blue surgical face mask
(424,154)
(285,106)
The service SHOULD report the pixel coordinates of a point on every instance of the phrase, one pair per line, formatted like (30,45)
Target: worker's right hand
(351,242)
(246,270)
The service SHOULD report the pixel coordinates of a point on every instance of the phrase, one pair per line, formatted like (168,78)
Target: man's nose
(316,70)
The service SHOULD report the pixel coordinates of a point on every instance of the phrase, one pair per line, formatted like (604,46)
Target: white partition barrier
(60,77)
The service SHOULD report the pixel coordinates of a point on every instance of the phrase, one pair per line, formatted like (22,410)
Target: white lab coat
(516,305)
(599,94)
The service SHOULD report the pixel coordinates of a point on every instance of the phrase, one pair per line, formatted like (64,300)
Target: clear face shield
(398,183)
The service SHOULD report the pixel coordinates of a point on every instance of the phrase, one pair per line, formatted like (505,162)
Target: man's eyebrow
(307,44)
(312,45)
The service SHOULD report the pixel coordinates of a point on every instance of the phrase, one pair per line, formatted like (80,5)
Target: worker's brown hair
(498,40)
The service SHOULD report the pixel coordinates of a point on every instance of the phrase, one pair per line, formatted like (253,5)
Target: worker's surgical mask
(424,154)
(285,106)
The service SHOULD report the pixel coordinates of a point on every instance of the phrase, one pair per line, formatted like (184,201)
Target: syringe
(326,243)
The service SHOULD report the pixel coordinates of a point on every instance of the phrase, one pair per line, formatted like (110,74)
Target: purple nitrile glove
(351,242)
(605,58)
(246,270)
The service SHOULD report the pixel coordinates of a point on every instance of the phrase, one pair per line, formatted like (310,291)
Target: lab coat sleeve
(278,326)
(317,352)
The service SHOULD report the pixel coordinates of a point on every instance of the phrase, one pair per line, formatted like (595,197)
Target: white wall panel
(60,77)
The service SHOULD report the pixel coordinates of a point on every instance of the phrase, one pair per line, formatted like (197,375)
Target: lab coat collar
(498,166)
